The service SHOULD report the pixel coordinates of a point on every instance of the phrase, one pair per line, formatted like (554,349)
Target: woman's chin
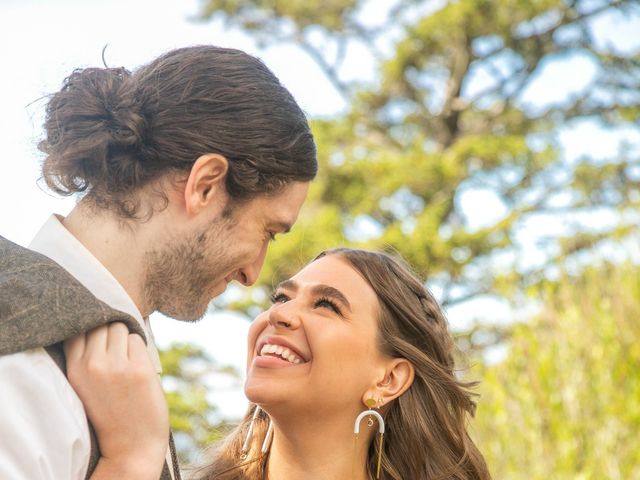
(258,393)
(267,394)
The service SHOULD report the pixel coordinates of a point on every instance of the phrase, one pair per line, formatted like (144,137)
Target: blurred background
(495,144)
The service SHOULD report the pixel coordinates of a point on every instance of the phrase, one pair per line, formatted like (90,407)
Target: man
(187,167)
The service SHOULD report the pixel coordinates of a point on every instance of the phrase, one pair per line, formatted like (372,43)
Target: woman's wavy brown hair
(110,132)
(426,428)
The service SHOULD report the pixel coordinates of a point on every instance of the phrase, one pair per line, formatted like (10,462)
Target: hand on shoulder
(111,372)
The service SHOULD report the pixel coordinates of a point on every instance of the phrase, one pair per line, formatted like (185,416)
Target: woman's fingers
(96,342)
(115,379)
(117,342)
(74,348)
(137,350)
(104,353)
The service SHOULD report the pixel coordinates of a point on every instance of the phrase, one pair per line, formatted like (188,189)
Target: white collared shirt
(43,426)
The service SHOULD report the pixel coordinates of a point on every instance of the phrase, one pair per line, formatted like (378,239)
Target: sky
(41,42)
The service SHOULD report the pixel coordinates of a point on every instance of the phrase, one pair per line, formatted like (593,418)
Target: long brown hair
(110,132)
(426,428)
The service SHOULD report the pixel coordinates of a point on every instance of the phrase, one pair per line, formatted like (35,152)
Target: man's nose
(248,274)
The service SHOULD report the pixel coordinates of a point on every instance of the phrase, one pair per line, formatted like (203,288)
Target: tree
(447,116)
(565,402)
(186,369)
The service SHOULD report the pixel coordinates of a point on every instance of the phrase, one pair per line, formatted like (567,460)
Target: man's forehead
(282,209)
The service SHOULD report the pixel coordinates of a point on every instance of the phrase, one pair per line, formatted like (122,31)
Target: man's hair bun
(95,133)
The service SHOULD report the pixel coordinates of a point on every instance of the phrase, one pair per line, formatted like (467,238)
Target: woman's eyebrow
(319,290)
(327,291)
(288,285)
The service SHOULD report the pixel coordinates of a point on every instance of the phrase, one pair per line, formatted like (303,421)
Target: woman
(352,332)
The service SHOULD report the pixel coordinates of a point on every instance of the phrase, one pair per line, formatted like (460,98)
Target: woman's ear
(398,377)
(206,182)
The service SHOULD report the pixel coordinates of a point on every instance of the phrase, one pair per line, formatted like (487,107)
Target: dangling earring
(246,445)
(267,438)
(356,429)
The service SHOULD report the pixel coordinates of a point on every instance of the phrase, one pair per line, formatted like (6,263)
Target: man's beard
(180,276)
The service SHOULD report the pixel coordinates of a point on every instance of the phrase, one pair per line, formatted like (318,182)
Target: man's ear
(398,377)
(206,182)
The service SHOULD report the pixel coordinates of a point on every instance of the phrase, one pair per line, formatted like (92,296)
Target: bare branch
(329,70)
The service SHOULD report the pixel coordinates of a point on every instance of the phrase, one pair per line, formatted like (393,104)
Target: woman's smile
(276,352)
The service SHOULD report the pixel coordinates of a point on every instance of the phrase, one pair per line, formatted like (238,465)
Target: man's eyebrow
(319,290)
(282,227)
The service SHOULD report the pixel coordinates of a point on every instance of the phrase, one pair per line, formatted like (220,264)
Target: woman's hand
(112,374)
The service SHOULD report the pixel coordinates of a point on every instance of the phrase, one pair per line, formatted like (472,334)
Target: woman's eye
(279,298)
(326,303)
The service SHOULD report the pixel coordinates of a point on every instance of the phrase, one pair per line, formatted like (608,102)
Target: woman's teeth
(282,352)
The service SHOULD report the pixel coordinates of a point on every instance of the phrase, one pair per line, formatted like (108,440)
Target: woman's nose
(283,316)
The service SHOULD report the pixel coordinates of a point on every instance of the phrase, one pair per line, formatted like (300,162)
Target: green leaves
(447,115)
(254,15)
(565,402)
(185,371)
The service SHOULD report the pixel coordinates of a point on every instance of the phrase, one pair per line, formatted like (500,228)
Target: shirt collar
(56,242)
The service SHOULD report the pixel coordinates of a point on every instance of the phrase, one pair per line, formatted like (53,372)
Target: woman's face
(316,347)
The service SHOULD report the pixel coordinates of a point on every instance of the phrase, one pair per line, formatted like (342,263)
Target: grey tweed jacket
(41,305)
